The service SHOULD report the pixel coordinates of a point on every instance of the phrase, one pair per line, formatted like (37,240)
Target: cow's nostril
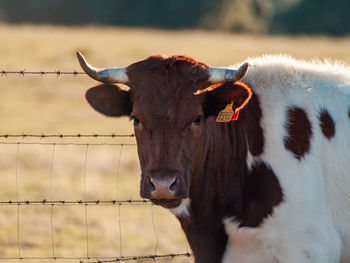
(162,187)
(153,187)
(172,186)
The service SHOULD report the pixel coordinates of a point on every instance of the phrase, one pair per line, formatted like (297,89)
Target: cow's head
(169,119)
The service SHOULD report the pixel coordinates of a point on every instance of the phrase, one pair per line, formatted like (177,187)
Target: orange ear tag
(227,114)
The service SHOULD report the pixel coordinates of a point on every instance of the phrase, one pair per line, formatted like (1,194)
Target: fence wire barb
(23,72)
(78,135)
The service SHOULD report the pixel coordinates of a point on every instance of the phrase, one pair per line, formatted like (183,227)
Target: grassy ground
(49,104)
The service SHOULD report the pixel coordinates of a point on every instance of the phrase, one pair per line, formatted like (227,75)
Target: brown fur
(327,124)
(262,192)
(299,132)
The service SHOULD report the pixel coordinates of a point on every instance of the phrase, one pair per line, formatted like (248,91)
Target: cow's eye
(197,120)
(136,121)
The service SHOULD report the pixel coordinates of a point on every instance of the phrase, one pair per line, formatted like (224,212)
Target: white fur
(243,245)
(312,224)
(183,209)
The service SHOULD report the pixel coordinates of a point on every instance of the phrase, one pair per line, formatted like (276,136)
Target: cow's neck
(219,186)
(217,192)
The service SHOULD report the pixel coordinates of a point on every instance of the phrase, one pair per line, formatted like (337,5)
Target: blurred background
(43,35)
(253,16)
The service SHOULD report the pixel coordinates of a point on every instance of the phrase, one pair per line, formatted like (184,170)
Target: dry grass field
(35,104)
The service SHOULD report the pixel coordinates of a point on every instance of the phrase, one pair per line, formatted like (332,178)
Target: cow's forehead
(165,85)
(167,75)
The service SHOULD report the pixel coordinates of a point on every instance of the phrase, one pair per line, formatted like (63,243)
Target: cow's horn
(107,75)
(222,74)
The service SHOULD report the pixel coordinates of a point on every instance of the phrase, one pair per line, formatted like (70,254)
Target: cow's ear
(220,95)
(109,100)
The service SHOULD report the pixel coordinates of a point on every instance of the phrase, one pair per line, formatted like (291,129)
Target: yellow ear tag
(227,114)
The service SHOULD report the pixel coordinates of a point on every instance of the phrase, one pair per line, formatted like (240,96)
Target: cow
(272,185)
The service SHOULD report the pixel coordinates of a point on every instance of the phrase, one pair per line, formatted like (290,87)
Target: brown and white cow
(272,186)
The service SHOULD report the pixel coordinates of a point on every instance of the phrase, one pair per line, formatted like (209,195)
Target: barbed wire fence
(52,203)
(23,72)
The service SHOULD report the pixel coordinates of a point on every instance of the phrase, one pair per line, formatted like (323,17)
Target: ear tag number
(227,114)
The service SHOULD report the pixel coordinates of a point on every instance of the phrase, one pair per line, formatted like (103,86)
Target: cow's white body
(312,224)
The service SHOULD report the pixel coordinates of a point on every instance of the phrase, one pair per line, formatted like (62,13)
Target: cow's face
(169,120)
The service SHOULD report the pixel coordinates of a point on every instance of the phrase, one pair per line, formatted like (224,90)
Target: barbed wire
(135,258)
(103,259)
(77,202)
(78,135)
(68,143)
(19,203)
(23,72)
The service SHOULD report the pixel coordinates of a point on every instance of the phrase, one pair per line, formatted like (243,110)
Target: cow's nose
(162,187)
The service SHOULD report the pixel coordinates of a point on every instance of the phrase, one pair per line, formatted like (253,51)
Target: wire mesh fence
(67,200)
(46,174)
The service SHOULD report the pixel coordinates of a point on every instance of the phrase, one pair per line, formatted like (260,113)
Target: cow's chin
(167,203)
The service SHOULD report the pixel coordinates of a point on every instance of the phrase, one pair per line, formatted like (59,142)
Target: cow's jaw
(183,210)
(167,203)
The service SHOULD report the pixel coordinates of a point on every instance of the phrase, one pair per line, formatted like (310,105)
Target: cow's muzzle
(165,189)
